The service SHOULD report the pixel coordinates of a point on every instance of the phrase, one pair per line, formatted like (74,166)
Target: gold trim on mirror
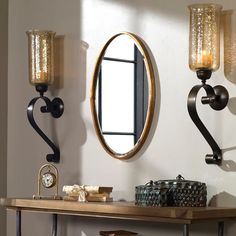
(151,98)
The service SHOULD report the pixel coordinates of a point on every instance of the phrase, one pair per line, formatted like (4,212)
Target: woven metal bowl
(176,192)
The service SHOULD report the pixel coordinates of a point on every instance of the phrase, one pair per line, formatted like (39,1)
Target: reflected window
(122,95)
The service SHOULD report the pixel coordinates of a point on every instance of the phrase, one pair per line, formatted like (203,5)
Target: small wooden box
(117,233)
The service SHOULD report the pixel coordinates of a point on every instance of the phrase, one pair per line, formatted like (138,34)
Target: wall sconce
(204,58)
(41,75)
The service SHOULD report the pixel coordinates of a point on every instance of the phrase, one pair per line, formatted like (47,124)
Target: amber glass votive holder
(40,50)
(204,37)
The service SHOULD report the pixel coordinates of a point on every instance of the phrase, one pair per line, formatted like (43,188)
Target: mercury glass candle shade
(204,37)
(40,49)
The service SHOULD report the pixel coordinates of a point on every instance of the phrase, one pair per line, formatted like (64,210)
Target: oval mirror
(123,95)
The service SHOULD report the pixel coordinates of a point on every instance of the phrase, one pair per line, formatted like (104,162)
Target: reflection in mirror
(122,96)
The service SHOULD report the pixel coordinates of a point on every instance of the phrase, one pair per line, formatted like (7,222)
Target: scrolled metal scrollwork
(217,98)
(56,108)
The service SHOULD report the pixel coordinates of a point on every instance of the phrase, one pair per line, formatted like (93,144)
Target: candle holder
(204,58)
(41,75)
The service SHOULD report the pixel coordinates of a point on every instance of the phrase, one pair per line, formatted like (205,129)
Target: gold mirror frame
(151,98)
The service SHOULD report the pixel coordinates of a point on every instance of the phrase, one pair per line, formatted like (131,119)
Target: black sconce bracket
(217,97)
(56,109)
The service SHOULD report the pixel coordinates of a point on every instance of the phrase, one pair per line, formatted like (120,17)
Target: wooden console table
(121,210)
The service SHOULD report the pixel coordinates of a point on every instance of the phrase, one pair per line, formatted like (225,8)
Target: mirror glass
(122,96)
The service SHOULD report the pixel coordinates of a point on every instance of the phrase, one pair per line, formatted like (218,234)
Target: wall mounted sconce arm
(41,76)
(217,98)
(55,108)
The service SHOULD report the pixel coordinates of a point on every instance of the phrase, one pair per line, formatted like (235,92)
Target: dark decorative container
(178,192)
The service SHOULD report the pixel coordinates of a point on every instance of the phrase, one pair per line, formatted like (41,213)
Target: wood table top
(122,210)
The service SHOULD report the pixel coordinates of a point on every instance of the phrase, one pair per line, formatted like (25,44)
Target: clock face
(48,180)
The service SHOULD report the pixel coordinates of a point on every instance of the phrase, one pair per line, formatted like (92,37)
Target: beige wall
(174,147)
(3,106)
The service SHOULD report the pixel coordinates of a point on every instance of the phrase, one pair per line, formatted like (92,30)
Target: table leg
(186,230)
(18,223)
(54,226)
(221,228)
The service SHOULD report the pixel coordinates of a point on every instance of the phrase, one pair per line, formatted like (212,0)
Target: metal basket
(178,192)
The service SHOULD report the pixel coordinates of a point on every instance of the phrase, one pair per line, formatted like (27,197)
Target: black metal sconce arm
(217,98)
(56,108)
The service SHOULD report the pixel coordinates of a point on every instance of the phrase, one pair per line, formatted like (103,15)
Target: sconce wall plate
(41,74)
(204,55)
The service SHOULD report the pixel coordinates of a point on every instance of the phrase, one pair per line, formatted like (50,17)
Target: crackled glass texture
(204,37)
(40,49)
